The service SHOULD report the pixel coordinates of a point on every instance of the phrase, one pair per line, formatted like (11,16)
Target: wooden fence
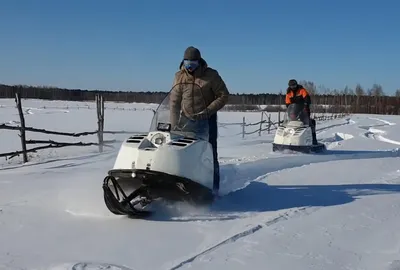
(268,125)
(54,144)
(265,124)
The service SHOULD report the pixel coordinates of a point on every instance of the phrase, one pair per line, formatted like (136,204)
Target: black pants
(213,135)
(313,130)
(312,124)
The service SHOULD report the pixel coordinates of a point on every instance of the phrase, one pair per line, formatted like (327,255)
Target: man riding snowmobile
(296,93)
(194,71)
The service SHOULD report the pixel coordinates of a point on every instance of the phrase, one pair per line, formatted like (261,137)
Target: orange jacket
(297,96)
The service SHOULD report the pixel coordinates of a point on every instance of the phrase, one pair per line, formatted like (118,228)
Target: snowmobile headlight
(158,139)
(288,131)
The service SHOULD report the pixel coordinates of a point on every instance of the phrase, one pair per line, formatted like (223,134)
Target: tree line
(359,100)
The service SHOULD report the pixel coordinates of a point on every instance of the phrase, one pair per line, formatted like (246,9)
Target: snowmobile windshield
(295,112)
(181,112)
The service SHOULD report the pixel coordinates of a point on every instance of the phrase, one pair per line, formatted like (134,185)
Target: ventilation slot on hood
(179,144)
(185,140)
(135,139)
(299,130)
(190,139)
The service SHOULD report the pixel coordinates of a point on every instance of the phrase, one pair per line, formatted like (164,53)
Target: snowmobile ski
(154,186)
(122,206)
(305,149)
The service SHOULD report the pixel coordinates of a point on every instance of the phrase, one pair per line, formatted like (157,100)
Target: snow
(338,210)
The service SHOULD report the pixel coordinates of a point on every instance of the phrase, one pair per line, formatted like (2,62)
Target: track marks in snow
(323,129)
(383,121)
(97,266)
(253,229)
(377,134)
(337,139)
(372,132)
(343,136)
(89,266)
(44,111)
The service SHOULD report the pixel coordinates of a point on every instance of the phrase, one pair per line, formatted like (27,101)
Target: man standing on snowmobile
(195,73)
(297,94)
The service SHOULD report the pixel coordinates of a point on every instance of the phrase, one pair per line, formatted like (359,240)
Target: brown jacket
(205,89)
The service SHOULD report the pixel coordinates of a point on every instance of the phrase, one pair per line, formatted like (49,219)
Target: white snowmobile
(297,132)
(172,162)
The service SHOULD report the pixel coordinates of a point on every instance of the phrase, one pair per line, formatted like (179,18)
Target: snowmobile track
(284,216)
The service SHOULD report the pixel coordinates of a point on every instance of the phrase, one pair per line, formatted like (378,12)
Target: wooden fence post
(269,123)
(280,108)
(100,120)
(22,129)
(243,126)
(262,116)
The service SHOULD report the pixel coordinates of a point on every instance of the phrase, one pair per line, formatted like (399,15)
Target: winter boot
(314,137)
(313,132)
(216,176)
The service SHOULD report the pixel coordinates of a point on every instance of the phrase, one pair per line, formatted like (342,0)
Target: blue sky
(256,46)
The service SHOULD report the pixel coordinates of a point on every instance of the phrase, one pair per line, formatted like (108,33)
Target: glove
(203,115)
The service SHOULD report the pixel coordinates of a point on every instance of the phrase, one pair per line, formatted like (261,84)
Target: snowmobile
(297,132)
(172,162)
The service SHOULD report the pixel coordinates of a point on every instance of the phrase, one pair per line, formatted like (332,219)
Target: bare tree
(347,91)
(310,86)
(376,90)
(359,90)
(322,89)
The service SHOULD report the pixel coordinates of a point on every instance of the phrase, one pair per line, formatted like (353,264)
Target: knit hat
(192,53)
(292,82)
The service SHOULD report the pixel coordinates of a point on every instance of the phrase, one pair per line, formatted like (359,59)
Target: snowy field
(331,211)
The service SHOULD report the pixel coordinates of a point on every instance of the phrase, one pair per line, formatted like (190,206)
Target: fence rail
(267,125)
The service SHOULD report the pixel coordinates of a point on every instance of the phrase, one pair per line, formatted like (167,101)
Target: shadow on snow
(236,176)
(242,193)
(260,197)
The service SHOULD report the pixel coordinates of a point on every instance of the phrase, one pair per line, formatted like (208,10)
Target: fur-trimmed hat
(192,53)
